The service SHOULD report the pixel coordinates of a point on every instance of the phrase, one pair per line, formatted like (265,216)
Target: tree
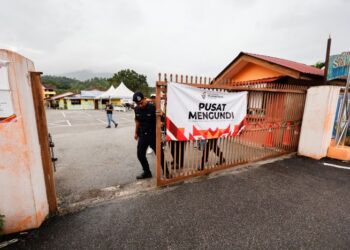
(319,65)
(132,80)
(96,83)
(65,84)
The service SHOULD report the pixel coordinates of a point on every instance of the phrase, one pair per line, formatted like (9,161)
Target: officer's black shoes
(116,125)
(144,175)
(222,161)
(108,127)
(167,176)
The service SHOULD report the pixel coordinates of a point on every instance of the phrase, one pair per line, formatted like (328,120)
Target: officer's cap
(138,96)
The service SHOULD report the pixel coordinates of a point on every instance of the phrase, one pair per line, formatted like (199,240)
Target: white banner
(195,113)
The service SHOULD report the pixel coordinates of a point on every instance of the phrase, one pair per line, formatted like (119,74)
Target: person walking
(145,132)
(109,112)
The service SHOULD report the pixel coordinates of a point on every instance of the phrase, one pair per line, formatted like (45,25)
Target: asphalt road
(296,203)
(90,156)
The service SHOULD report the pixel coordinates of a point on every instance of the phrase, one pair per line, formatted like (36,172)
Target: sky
(194,37)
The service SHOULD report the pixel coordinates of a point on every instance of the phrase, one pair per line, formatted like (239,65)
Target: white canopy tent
(109,94)
(123,93)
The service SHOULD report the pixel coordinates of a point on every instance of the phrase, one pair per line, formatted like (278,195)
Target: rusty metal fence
(274,115)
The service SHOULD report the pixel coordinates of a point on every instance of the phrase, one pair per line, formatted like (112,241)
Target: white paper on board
(6,107)
(4,80)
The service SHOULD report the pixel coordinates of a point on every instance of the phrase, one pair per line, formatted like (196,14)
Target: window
(76,101)
(256,104)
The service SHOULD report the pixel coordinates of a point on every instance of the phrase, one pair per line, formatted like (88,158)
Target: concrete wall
(318,120)
(23,198)
(88,104)
(61,104)
(84,104)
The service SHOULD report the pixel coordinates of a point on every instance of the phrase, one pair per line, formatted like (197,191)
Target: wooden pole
(43,135)
(329,41)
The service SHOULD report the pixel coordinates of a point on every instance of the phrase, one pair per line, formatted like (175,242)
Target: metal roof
(303,68)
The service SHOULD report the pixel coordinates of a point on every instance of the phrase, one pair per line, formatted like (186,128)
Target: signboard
(338,66)
(194,113)
(6,106)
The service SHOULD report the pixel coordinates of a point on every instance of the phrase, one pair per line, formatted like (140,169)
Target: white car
(120,108)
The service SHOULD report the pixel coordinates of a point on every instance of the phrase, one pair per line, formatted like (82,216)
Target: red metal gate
(274,115)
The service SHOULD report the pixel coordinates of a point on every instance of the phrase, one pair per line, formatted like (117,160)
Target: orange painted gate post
(43,134)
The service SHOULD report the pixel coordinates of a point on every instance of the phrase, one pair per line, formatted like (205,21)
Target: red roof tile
(303,68)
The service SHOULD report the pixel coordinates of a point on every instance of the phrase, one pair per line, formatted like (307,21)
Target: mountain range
(83,75)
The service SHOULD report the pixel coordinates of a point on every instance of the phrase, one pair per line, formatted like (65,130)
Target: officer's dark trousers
(142,145)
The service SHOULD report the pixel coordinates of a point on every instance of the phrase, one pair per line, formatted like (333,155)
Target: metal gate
(274,115)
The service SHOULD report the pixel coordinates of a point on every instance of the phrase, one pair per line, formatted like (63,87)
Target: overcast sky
(198,37)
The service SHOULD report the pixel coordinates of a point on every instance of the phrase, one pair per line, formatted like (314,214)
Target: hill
(83,75)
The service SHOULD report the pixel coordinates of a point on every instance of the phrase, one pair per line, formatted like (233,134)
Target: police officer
(145,131)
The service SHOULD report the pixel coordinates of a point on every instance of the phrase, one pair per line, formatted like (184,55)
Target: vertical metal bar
(329,42)
(195,161)
(199,156)
(188,157)
(158,134)
(238,150)
(191,156)
(224,150)
(232,150)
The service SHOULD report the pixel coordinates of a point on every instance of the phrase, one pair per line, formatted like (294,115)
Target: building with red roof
(254,68)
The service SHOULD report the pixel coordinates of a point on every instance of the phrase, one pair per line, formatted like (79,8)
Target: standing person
(145,132)
(109,112)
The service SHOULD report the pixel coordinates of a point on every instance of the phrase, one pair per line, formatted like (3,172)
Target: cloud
(190,37)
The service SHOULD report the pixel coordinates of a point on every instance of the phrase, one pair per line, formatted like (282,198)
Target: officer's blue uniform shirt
(147,119)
